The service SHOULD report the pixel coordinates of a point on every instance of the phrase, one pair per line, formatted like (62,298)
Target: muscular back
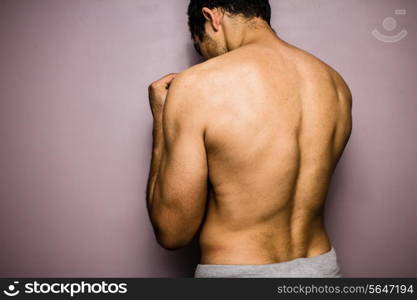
(279,122)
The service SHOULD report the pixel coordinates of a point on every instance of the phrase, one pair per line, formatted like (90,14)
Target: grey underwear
(323,265)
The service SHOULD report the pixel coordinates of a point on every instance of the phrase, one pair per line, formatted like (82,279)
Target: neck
(250,32)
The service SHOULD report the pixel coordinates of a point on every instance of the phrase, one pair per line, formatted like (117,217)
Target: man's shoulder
(188,85)
(189,81)
(187,98)
(321,73)
(199,73)
(218,69)
(193,86)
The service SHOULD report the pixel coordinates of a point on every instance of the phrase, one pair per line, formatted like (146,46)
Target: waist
(261,245)
(322,265)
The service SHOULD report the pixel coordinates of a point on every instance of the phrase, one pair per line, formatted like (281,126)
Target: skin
(245,145)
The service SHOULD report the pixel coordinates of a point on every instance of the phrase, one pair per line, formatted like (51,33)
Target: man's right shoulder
(219,72)
(195,84)
(203,70)
(202,77)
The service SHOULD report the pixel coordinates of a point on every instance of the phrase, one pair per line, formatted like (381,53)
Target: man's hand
(158,91)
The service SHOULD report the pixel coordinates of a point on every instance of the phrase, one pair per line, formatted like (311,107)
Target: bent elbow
(169,243)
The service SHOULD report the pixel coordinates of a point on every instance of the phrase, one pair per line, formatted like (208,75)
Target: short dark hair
(247,8)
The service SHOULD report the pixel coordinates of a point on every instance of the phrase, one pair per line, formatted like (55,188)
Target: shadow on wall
(192,55)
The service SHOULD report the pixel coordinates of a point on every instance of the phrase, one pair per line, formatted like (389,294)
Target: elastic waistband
(323,265)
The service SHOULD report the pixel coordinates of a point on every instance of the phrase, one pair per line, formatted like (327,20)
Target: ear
(213,16)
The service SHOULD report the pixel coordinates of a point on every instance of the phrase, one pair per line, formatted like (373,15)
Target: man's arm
(177,187)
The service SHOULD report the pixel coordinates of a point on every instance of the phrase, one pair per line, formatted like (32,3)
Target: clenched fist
(158,91)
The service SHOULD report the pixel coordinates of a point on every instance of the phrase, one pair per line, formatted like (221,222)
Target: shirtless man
(244,148)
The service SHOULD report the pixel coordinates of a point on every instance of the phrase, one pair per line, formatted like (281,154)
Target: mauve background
(76,133)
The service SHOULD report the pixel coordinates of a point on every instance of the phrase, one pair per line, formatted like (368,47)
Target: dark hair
(247,8)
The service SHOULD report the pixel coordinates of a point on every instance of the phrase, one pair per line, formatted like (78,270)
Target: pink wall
(76,132)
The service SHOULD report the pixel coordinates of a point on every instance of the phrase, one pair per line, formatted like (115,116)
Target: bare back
(279,122)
